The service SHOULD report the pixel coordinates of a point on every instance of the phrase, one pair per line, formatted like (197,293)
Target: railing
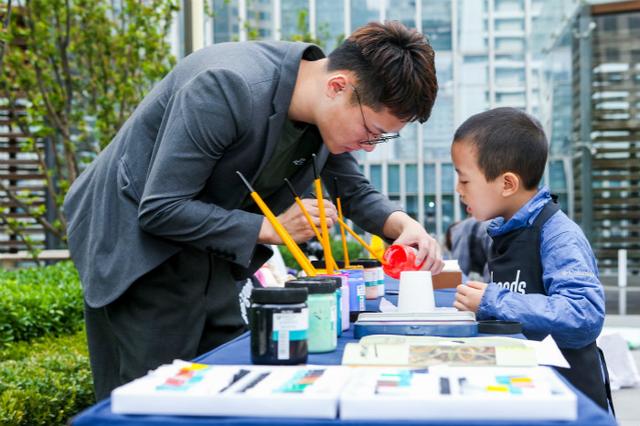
(13,260)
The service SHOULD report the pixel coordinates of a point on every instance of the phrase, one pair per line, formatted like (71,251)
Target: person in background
(469,243)
(161,227)
(542,270)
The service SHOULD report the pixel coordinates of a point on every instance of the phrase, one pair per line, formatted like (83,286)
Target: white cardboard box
(455,393)
(364,393)
(184,388)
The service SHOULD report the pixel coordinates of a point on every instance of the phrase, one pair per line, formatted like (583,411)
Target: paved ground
(627,401)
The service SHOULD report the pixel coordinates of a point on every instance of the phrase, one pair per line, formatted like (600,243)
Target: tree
(304,34)
(72,73)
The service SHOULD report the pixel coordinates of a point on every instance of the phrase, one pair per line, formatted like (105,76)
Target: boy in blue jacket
(542,270)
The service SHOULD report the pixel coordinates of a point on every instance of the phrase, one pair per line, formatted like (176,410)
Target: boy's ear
(510,184)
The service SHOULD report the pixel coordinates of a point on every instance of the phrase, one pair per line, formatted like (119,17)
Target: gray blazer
(168,178)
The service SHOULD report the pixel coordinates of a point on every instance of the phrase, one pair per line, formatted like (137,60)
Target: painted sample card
(455,393)
(185,388)
(425,351)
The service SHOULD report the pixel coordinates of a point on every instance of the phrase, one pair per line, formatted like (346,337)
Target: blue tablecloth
(237,351)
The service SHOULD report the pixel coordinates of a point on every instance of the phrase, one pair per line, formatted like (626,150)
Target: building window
(516,100)
(436,23)
(403,11)
(429,179)
(509,44)
(411,187)
(411,178)
(509,5)
(448,179)
(225,21)
(412,206)
(394,179)
(609,22)
(557,178)
(329,24)
(447,211)
(509,77)
(509,25)
(511,57)
(430,213)
(363,11)
(406,147)
(558,183)
(376,176)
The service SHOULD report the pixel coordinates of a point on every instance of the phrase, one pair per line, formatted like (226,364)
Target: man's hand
(469,296)
(411,233)
(296,224)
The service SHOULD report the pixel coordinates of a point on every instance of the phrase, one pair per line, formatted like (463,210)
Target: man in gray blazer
(161,227)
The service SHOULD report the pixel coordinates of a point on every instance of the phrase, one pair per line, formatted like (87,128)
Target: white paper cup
(416,292)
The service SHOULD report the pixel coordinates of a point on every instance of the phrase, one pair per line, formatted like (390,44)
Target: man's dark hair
(394,67)
(507,140)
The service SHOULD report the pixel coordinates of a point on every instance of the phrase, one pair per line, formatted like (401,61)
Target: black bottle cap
(334,279)
(315,285)
(278,295)
(320,263)
(366,263)
(499,327)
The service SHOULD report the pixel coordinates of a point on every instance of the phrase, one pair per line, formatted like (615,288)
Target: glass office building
(484,59)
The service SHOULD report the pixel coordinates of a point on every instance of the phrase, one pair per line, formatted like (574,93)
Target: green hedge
(354,248)
(45,382)
(36,302)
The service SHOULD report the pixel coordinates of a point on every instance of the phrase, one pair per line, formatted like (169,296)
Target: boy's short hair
(507,140)
(394,66)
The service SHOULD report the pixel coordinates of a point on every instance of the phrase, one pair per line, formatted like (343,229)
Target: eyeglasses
(382,137)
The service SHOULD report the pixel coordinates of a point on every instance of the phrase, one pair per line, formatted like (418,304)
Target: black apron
(515,264)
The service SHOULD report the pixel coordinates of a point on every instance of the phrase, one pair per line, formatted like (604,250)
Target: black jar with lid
(279,321)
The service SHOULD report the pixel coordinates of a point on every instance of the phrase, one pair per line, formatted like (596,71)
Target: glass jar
(343,294)
(279,321)
(322,312)
(373,277)
(357,291)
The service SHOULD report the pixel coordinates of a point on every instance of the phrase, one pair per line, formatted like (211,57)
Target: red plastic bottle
(400,258)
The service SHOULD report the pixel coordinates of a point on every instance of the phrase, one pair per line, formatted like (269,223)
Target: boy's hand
(468,296)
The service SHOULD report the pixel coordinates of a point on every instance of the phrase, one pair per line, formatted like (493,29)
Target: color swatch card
(456,393)
(425,351)
(185,388)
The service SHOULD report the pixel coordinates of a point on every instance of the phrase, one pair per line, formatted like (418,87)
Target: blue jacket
(573,309)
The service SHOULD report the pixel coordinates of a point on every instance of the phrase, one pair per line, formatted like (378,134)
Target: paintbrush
(328,257)
(298,201)
(297,253)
